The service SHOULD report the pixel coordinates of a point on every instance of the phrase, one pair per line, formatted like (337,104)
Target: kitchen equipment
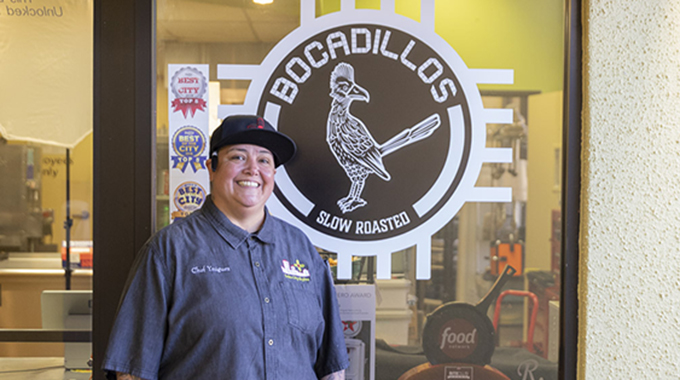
(532,320)
(356,352)
(503,254)
(23,222)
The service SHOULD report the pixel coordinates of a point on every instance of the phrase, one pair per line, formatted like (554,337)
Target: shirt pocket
(303,307)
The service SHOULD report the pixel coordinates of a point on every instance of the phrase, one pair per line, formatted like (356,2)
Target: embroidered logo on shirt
(296,271)
(209,269)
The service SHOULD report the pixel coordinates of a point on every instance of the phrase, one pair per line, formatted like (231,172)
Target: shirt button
(257,264)
(271,342)
(266,299)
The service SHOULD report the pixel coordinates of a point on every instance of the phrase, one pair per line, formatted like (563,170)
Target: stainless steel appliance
(23,222)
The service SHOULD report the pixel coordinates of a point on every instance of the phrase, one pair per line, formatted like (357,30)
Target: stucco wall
(630,263)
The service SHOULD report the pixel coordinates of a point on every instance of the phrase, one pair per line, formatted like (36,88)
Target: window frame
(124,162)
(571,190)
(124,139)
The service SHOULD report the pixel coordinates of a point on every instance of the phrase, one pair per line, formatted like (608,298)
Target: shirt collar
(233,234)
(268,231)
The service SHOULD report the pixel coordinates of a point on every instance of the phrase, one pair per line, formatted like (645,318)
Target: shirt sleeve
(137,338)
(332,356)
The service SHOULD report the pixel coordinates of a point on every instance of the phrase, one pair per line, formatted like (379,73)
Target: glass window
(45,179)
(462,102)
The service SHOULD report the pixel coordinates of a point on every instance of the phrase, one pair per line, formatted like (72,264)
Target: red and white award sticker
(188,86)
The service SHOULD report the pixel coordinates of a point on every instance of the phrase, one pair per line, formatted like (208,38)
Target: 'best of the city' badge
(188,85)
(188,143)
(188,197)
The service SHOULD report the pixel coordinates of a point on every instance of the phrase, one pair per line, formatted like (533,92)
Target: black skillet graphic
(462,333)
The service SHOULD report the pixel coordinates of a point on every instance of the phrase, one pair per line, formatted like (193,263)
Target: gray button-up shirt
(208,300)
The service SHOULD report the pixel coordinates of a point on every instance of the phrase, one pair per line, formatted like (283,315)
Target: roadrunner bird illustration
(351,142)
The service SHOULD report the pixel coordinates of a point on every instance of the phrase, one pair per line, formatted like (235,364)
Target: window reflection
(471,251)
(32,235)
(45,132)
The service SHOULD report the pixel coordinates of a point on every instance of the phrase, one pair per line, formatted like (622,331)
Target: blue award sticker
(188,197)
(188,143)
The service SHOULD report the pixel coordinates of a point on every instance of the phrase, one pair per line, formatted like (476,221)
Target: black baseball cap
(252,129)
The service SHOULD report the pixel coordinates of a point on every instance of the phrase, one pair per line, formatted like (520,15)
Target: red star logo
(349,325)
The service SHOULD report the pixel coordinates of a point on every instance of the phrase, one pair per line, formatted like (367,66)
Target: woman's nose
(251,166)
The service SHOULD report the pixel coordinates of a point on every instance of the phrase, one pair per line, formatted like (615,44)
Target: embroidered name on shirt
(209,269)
(296,271)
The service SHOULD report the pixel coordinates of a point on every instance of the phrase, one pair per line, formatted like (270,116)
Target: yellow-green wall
(524,35)
(543,175)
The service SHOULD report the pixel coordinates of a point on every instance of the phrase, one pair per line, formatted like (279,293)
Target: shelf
(433,302)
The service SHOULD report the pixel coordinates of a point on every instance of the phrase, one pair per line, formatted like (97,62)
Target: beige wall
(630,271)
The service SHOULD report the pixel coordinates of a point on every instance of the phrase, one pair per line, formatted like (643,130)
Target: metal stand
(69,222)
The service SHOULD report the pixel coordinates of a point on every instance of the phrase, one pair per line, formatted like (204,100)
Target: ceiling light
(263,2)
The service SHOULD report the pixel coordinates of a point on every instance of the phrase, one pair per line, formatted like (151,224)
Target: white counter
(36,263)
(37,369)
(23,278)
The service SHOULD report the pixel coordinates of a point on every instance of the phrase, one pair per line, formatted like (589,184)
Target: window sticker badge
(188,197)
(188,85)
(390,127)
(188,143)
(351,328)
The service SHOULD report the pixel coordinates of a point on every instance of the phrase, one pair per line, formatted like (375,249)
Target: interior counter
(23,277)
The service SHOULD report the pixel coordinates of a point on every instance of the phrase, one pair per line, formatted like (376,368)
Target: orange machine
(503,254)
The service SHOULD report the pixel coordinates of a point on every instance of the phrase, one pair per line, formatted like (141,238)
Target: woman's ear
(211,164)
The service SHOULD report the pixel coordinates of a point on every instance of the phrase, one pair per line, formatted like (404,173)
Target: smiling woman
(229,320)
(242,182)
(241,173)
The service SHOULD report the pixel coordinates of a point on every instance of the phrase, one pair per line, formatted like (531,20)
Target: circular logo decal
(458,338)
(351,328)
(188,143)
(381,110)
(390,126)
(188,197)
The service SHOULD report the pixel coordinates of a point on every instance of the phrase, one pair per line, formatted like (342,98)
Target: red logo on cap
(260,124)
